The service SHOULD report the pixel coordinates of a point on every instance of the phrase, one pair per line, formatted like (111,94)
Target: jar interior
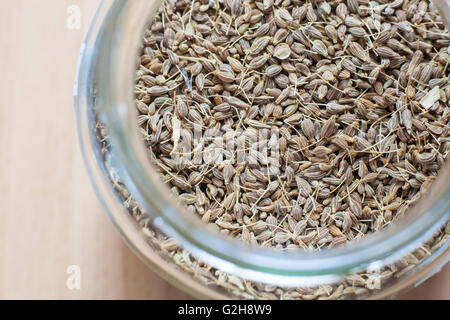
(117,52)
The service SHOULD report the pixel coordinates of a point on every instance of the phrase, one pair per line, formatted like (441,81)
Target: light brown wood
(49,215)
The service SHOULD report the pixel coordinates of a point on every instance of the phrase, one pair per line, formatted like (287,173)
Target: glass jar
(182,249)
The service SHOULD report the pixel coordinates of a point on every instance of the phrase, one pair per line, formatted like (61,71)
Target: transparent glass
(104,95)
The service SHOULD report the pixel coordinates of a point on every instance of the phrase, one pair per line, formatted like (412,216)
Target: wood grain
(49,215)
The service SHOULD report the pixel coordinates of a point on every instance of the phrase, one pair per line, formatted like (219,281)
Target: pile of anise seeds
(355,92)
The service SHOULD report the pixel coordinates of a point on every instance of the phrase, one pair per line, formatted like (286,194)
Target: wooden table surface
(49,216)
